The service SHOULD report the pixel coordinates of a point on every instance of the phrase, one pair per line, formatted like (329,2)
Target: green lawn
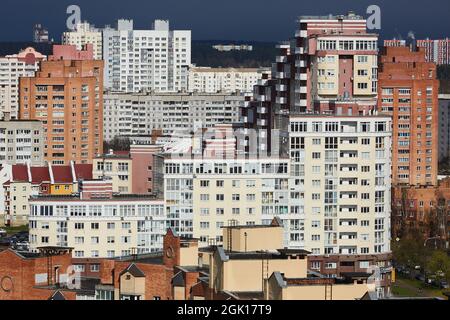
(405,287)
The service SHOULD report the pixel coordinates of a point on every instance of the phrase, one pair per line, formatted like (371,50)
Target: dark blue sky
(259,20)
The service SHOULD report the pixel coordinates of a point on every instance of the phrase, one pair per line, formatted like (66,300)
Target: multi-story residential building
(444,127)
(98,223)
(340,180)
(25,181)
(233,47)
(213,80)
(408,91)
(137,60)
(40,34)
(13,67)
(84,34)
(437,51)
(67,96)
(330,66)
(21,142)
(116,167)
(134,114)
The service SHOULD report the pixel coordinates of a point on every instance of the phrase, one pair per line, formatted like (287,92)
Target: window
(94,226)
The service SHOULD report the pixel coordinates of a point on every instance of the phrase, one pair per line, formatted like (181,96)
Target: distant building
(83,34)
(131,114)
(153,60)
(233,47)
(40,34)
(213,80)
(12,68)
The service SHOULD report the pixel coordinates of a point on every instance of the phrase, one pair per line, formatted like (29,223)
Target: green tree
(439,265)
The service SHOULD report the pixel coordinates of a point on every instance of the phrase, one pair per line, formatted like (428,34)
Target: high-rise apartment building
(137,60)
(408,91)
(67,96)
(84,34)
(437,51)
(444,126)
(131,114)
(13,67)
(330,66)
(40,34)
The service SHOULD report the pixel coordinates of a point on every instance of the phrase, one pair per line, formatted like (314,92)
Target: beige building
(213,80)
(83,34)
(98,224)
(116,168)
(253,264)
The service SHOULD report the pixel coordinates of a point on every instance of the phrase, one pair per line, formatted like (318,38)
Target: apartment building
(98,223)
(21,142)
(437,51)
(213,80)
(408,91)
(134,114)
(340,179)
(233,47)
(444,126)
(67,96)
(330,66)
(25,181)
(13,67)
(137,60)
(84,34)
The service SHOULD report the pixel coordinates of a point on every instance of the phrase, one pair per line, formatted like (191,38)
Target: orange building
(408,91)
(67,96)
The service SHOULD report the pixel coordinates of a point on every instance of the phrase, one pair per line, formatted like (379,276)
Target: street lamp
(435,242)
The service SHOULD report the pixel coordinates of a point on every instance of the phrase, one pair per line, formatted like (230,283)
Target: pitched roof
(83,171)
(62,174)
(39,174)
(19,172)
(134,271)
(57,295)
(178,280)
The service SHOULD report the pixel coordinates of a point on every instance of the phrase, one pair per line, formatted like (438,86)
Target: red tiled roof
(19,172)
(39,174)
(62,174)
(83,171)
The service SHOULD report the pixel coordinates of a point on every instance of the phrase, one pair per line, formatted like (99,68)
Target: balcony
(301,76)
(281,100)
(281,87)
(300,63)
(301,33)
(300,102)
(301,89)
(281,59)
(282,75)
(299,50)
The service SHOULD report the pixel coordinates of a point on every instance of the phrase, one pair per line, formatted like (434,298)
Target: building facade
(437,51)
(444,126)
(213,80)
(21,142)
(67,96)
(408,91)
(84,34)
(141,113)
(13,67)
(98,223)
(137,60)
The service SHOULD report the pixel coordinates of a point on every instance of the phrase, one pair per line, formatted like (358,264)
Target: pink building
(143,162)
(70,52)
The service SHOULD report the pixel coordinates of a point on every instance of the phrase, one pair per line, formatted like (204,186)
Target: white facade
(212,80)
(137,60)
(84,34)
(98,228)
(340,178)
(444,126)
(11,69)
(140,113)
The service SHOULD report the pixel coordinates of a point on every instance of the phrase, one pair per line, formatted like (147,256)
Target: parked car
(420,277)
(3,233)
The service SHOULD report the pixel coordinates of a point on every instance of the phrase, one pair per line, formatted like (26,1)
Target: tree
(439,265)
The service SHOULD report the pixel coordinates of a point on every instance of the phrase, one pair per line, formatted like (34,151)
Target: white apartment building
(12,67)
(21,142)
(203,195)
(340,178)
(134,114)
(212,80)
(98,228)
(83,34)
(137,60)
